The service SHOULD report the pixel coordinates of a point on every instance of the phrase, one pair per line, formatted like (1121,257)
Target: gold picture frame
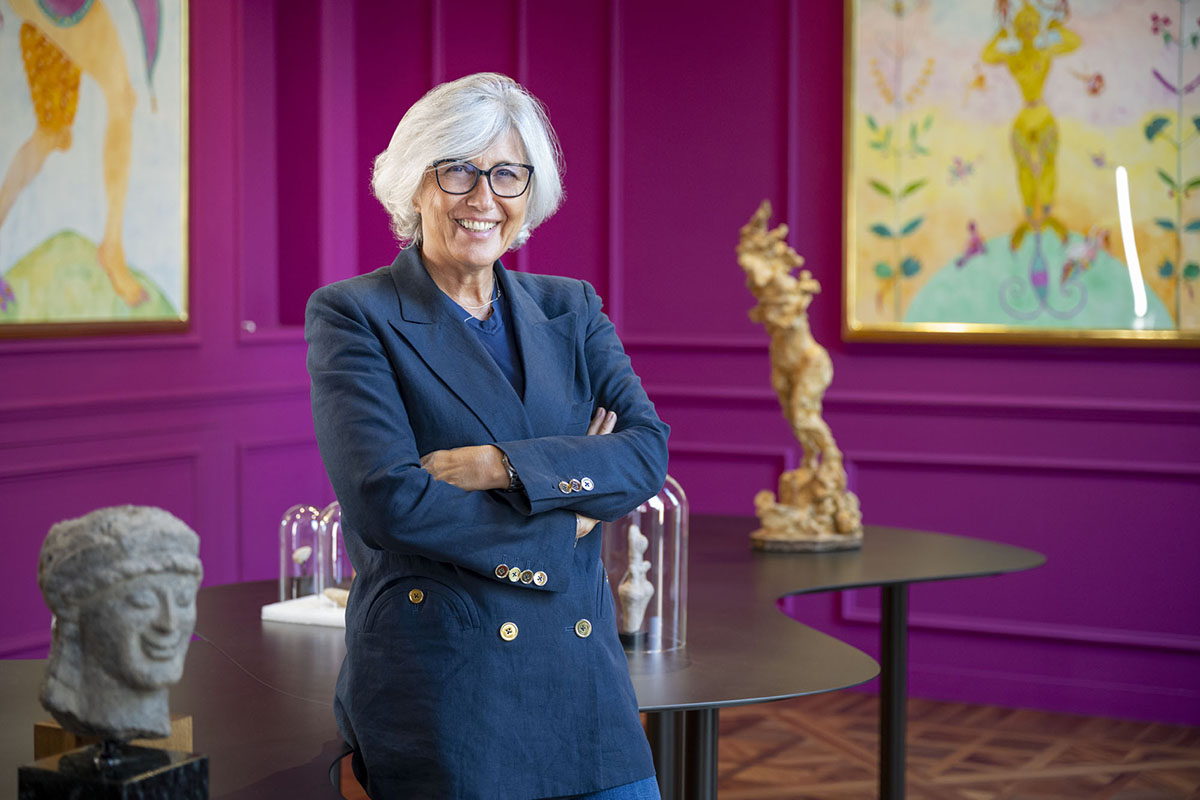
(1006,162)
(93,167)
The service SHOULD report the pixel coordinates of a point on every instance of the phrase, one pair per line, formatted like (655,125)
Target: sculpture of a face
(122,585)
(138,629)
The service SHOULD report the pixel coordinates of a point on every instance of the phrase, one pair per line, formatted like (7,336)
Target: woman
(453,403)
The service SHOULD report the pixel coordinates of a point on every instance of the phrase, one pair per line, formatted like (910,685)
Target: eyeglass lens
(459,177)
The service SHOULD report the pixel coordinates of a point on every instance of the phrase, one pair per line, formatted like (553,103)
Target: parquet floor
(824,748)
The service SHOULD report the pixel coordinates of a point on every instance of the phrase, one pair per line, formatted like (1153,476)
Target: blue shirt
(497,338)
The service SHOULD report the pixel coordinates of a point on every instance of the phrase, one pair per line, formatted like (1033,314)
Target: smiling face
(138,629)
(466,233)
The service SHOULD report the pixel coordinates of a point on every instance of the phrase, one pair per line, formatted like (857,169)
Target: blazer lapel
(547,352)
(453,353)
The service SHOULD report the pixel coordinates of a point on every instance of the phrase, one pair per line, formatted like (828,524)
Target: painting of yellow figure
(1023,170)
(93,166)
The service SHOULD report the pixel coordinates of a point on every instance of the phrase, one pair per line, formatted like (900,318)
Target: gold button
(502,571)
(539,578)
(576,485)
(583,629)
(527,576)
(416,596)
(508,631)
(514,574)
(564,487)
(587,484)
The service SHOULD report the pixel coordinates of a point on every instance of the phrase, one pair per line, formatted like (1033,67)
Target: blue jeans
(638,790)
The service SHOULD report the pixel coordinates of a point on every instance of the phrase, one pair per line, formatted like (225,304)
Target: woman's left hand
(602,422)
(476,468)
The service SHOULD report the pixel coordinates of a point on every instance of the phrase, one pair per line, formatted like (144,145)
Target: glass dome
(303,552)
(645,553)
(338,572)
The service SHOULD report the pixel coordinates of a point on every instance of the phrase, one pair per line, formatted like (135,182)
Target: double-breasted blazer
(482,651)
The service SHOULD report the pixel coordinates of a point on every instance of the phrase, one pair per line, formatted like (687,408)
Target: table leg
(700,760)
(664,730)
(893,691)
(684,747)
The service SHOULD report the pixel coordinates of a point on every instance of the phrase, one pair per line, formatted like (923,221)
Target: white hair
(460,120)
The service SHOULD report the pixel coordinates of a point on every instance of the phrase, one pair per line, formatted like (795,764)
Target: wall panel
(574,39)
(98,421)
(675,121)
(36,497)
(703,144)
(273,476)
(1095,576)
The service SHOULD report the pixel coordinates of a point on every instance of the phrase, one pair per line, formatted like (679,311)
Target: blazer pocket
(604,588)
(578,417)
(415,601)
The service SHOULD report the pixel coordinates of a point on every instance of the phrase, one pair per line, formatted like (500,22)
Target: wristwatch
(514,481)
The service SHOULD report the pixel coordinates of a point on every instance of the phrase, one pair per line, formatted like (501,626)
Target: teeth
(473,225)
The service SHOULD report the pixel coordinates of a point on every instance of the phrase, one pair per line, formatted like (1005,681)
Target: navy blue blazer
(482,651)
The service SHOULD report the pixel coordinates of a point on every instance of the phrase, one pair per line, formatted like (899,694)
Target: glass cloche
(303,552)
(645,553)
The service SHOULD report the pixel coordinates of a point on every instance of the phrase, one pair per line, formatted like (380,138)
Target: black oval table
(260,693)
(890,558)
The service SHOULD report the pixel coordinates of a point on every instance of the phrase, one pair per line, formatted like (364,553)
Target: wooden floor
(825,748)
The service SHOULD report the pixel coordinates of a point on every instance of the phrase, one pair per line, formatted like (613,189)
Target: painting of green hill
(994,287)
(61,280)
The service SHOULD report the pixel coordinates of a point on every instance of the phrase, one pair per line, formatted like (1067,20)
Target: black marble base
(124,772)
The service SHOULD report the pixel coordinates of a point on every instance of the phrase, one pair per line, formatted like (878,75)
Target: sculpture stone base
(763,539)
(834,524)
(140,773)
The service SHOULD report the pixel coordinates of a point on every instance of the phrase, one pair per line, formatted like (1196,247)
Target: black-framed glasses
(460,177)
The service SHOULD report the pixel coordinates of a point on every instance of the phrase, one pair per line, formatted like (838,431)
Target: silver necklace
(485,305)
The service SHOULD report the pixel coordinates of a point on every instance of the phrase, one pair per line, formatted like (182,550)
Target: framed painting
(1023,171)
(93,166)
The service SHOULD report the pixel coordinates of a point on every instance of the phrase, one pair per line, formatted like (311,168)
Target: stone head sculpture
(121,583)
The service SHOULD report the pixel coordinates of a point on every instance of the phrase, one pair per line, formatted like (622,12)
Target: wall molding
(272,335)
(242,449)
(270,443)
(703,448)
(1081,409)
(856,458)
(706,344)
(143,401)
(188,454)
(1074,682)
(22,642)
(998,463)
(109,343)
(123,438)
(850,611)
(795,125)
(787,457)
(615,288)
(437,44)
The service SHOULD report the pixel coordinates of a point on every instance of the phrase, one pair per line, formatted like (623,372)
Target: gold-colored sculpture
(814,510)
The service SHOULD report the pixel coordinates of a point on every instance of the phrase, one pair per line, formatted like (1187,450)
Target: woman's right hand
(602,423)
(583,525)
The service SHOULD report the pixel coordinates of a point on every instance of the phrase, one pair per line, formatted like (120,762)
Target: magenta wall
(213,425)
(675,124)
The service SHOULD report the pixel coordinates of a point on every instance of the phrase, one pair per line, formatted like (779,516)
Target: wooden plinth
(49,739)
